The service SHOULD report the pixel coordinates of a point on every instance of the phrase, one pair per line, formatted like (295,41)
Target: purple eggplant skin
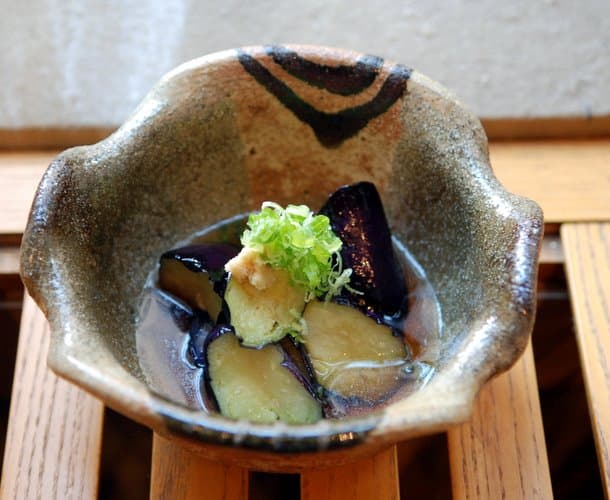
(290,359)
(209,257)
(201,327)
(196,274)
(295,360)
(357,217)
(293,357)
(216,332)
(337,406)
(208,397)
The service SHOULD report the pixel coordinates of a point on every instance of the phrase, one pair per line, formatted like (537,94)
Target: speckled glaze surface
(215,138)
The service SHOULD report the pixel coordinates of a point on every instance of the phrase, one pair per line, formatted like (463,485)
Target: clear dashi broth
(162,346)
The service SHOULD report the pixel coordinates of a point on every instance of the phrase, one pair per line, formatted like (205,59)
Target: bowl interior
(219,135)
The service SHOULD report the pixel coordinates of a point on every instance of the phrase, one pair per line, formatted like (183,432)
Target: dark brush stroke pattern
(343,80)
(331,129)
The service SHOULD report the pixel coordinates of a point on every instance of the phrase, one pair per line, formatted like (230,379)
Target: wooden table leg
(179,473)
(55,429)
(375,477)
(587,251)
(500,452)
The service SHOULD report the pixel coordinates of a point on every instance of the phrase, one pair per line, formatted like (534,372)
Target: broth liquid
(162,344)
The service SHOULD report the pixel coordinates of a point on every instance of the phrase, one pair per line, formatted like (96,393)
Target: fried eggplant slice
(351,354)
(259,385)
(263,305)
(196,274)
(357,217)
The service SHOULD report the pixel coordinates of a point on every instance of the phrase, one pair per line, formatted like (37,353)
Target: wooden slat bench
(55,430)
(587,249)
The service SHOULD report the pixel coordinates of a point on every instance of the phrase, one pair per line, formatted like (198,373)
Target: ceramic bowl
(215,138)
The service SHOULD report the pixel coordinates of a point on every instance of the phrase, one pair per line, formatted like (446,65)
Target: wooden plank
(587,251)
(569,179)
(54,431)
(500,452)
(51,137)
(555,127)
(179,473)
(375,477)
(20,174)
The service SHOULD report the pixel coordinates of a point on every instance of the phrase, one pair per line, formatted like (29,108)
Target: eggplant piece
(357,217)
(196,274)
(201,327)
(263,304)
(259,385)
(353,356)
(295,353)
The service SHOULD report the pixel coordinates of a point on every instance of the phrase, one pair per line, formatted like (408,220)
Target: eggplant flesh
(357,217)
(196,274)
(263,304)
(241,311)
(352,355)
(259,385)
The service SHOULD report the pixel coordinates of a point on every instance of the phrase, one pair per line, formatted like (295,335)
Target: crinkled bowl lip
(445,401)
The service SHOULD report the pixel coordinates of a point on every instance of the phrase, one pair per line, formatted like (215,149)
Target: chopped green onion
(302,243)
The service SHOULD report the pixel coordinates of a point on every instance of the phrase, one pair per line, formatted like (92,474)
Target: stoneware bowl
(215,138)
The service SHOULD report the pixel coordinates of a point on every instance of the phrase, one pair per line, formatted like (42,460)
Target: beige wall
(68,62)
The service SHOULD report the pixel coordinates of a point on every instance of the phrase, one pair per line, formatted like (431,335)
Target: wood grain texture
(567,127)
(180,474)
(51,137)
(554,127)
(54,433)
(375,477)
(500,452)
(569,179)
(587,252)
